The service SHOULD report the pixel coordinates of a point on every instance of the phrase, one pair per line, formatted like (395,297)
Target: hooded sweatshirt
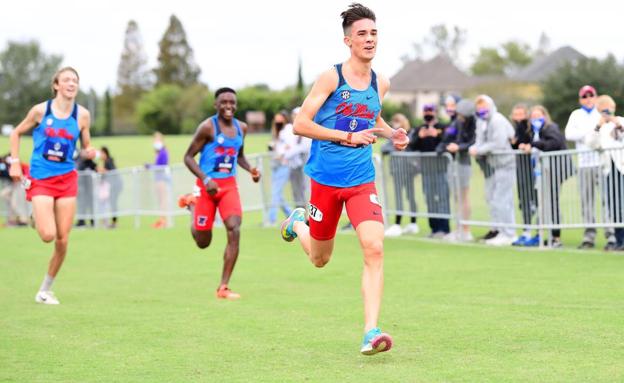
(494,134)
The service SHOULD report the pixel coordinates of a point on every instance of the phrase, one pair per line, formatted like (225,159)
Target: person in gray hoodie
(493,136)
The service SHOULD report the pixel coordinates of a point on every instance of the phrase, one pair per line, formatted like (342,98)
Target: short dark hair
(355,12)
(224,90)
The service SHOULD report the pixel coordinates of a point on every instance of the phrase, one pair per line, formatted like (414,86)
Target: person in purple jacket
(162,177)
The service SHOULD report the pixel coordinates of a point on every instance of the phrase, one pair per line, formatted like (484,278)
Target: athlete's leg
(203,213)
(64,211)
(232,227)
(43,212)
(318,251)
(370,234)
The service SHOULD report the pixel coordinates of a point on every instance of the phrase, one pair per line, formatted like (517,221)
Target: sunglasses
(588,95)
(606,111)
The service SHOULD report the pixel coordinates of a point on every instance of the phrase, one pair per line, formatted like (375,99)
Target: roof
(437,74)
(543,67)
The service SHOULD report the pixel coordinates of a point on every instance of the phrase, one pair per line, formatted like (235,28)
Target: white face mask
(158,145)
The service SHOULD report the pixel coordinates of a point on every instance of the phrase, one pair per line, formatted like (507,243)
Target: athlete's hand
(212,188)
(89,153)
(365,137)
(15,171)
(399,138)
(255,174)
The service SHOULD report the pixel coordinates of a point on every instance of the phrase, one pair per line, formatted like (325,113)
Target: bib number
(224,164)
(55,151)
(351,125)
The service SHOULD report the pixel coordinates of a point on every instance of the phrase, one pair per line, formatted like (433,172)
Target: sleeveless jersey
(218,158)
(348,110)
(54,143)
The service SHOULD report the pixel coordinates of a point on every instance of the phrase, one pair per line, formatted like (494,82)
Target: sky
(241,42)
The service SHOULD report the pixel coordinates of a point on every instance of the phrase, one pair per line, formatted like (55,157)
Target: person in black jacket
(457,138)
(546,137)
(434,171)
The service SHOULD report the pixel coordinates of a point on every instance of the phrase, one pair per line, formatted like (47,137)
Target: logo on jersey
(220,139)
(202,220)
(345,94)
(49,121)
(354,110)
(62,133)
(57,146)
(353,124)
(374,199)
(315,213)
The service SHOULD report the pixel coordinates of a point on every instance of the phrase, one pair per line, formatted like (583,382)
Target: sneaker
(556,243)
(586,245)
(287,228)
(347,227)
(375,341)
(453,236)
(533,242)
(489,235)
(46,297)
(411,228)
(393,231)
(438,235)
(224,292)
(500,240)
(161,223)
(522,241)
(184,201)
(610,246)
(466,236)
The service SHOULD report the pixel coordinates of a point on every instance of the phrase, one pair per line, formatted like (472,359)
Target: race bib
(224,164)
(55,151)
(351,125)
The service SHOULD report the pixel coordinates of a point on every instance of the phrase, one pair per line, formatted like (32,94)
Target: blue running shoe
(520,241)
(287,228)
(376,341)
(533,242)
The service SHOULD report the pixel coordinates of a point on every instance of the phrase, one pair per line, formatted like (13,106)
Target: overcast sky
(239,43)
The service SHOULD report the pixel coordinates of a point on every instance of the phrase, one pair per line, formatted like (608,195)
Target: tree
(108,114)
(505,59)
(488,62)
(300,87)
(176,64)
(561,88)
(439,41)
(25,76)
(133,76)
(543,45)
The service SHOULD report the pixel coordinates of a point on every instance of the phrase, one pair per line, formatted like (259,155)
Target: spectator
(580,125)
(13,193)
(86,171)
(434,171)
(457,138)
(298,153)
(112,178)
(162,178)
(527,193)
(493,135)
(403,170)
(450,105)
(546,137)
(280,170)
(608,136)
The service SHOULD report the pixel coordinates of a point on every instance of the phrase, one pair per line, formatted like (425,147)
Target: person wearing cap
(580,125)
(493,136)
(457,138)
(434,171)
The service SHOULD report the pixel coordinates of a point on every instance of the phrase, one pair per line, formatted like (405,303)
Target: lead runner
(342,116)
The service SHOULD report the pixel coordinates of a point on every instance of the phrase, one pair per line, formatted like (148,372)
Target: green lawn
(139,306)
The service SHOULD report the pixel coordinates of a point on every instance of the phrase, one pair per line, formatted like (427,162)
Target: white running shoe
(47,298)
(466,236)
(393,231)
(500,240)
(411,228)
(453,236)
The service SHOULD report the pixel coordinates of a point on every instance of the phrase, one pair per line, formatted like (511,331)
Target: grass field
(139,306)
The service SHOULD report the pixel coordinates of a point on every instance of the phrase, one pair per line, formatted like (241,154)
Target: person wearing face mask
(457,138)
(161,177)
(434,171)
(580,125)
(280,171)
(450,105)
(608,136)
(403,170)
(545,136)
(494,134)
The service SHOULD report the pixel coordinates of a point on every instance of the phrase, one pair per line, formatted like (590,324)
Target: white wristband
(12,160)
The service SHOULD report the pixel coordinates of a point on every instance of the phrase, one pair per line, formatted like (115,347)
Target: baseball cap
(429,108)
(587,89)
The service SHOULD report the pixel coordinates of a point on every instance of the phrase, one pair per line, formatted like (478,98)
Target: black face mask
(428,118)
(279,125)
(521,123)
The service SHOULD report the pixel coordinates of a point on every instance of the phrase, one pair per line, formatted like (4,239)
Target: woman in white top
(280,170)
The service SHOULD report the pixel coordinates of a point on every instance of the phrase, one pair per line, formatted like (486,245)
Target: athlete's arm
(398,136)
(84,123)
(203,135)
(304,125)
(242,160)
(30,121)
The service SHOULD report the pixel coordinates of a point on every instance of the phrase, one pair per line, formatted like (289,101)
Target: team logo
(345,94)
(227,159)
(353,124)
(374,199)
(49,121)
(202,220)
(57,146)
(220,139)
(315,213)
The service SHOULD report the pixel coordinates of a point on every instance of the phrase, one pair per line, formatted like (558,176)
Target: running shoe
(375,341)
(47,298)
(288,226)
(522,241)
(224,292)
(533,242)
(184,201)
(393,231)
